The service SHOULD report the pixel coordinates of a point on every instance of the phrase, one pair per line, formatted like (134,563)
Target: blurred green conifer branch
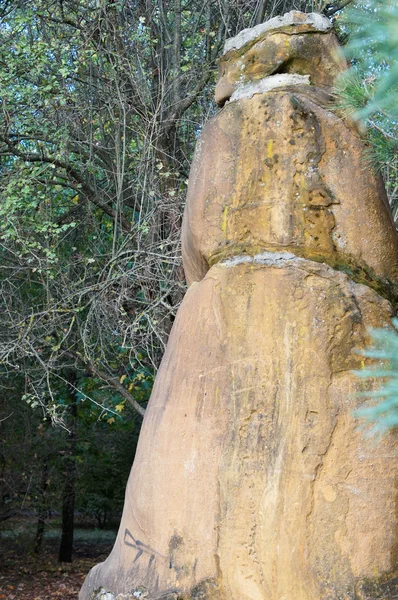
(369,91)
(384,415)
(373,46)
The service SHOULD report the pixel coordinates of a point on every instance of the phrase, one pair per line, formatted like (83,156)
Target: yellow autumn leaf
(111,420)
(131,387)
(119,407)
(123,377)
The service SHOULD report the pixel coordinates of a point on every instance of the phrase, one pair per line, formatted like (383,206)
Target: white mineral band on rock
(269,83)
(264,258)
(318,23)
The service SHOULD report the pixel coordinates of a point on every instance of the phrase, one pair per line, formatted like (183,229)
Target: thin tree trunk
(261,11)
(41,521)
(69,493)
(208,30)
(177,51)
(68,510)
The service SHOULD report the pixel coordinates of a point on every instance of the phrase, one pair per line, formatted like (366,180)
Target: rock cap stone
(315,21)
(269,83)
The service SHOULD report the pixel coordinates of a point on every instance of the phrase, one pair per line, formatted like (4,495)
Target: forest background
(102,102)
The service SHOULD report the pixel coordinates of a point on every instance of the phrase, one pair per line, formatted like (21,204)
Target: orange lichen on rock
(251,480)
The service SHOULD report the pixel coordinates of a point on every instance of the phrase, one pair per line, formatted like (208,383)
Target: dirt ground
(26,577)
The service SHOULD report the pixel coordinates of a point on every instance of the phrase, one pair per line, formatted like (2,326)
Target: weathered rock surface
(291,22)
(282,45)
(250,471)
(281,171)
(251,480)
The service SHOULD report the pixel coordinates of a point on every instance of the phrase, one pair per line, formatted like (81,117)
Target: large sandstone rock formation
(251,480)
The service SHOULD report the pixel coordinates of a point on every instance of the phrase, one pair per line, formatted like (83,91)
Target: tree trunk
(261,11)
(41,521)
(68,509)
(177,51)
(68,495)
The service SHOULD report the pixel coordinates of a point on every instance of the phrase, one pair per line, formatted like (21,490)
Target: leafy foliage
(89,228)
(101,104)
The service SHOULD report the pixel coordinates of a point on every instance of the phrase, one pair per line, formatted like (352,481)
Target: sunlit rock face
(251,480)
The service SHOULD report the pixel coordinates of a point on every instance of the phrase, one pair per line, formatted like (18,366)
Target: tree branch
(114,382)
(183,105)
(86,189)
(331,9)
